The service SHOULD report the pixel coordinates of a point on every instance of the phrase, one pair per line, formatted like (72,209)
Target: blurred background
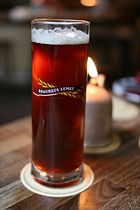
(114,43)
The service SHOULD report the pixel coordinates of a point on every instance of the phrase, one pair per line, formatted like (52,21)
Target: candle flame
(91,68)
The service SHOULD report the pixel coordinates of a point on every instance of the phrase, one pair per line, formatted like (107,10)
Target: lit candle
(98,124)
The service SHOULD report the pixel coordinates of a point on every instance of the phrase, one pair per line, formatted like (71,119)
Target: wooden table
(117,175)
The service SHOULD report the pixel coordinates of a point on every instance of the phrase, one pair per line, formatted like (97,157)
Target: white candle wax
(96,94)
(98,116)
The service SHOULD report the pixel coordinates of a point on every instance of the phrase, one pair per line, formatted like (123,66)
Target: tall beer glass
(59,56)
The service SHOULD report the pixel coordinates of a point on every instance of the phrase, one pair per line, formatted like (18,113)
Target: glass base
(57,180)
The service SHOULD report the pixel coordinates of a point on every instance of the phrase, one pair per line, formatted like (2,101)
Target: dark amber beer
(59,57)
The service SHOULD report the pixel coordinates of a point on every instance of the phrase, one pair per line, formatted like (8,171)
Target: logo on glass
(49,90)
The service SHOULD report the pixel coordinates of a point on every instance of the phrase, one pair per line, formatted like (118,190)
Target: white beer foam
(58,36)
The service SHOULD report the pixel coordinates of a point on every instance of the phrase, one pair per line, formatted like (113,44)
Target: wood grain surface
(117,175)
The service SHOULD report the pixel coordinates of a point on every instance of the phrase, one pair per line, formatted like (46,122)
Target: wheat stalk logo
(43,84)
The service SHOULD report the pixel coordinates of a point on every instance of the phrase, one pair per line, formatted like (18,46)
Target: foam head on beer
(59,36)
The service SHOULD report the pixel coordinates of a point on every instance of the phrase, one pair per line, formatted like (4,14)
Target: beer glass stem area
(59,57)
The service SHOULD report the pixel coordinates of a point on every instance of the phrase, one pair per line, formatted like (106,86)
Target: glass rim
(60,21)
